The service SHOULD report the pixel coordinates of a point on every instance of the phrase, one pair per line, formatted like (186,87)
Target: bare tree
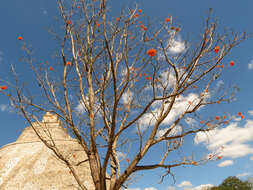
(126,75)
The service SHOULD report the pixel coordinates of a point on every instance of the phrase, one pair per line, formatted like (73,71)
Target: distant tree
(126,74)
(233,183)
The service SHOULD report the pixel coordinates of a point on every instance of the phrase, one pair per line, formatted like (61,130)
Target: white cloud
(233,138)
(127,97)
(250,65)
(203,187)
(177,45)
(80,108)
(133,189)
(171,188)
(226,163)
(219,84)
(177,130)
(243,174)
(250,112)
(121,154)
(150,188)
(185,184)
(190,121)
(181,105)
(6,108)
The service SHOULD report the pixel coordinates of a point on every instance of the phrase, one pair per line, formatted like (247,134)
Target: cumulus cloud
(150,188)
(177,45)
(190,121)
(181,105)
(185,184)
(80,108)
(6,108)
(226,163)
(203,187)
(171,188)
(250,65)
(121,154)
(233,138)
(177,130)
(127,97)
(243,174)
(250,112)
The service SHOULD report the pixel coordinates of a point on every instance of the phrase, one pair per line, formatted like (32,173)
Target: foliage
(233,183)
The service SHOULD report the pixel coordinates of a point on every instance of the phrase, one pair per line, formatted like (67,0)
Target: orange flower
(216,49)
(20,38)
(46,62)
(145,28)
(177,29)
(224,117)
(219,157)
(201,122)
(3,87)
(68,22)
(144,74)
(151,52)
(218,102)
(239,113)
(78,6)
(140,75)
(206,90)
(184,68)
(217,66)
(222,66)
(139,10)
(208,124)
(206,40)
(194,163)
(118,19)
(91,116)
(167,20)
(242,116)
(226,122)
(136,15)
(97,24)
(51,68)
(217,118)
(189,102)
(139,22)
(68,63)
(127,160)
(232,63)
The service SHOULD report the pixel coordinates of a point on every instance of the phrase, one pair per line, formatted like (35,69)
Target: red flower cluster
(216,49)
(151,52)
(232,63)
(20,38)
(167,20)
(240,114)
(3,87)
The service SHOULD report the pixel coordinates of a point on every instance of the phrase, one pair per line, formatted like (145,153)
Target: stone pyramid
(28,164)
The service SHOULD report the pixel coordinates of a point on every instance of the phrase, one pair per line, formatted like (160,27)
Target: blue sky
(31,20)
